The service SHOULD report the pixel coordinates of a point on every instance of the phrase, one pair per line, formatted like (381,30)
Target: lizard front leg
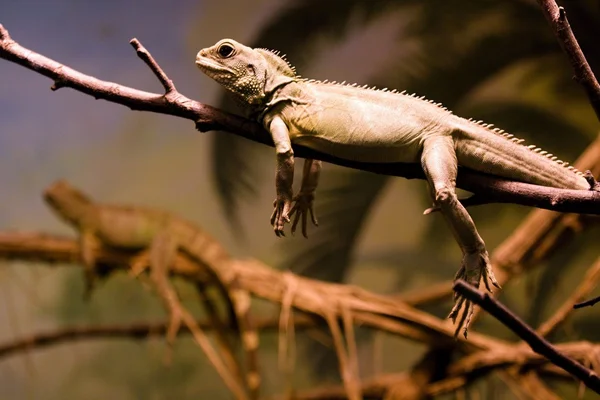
(440,165)
(303,201)
(284,176)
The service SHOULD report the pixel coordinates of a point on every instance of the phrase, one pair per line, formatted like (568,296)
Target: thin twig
(287,334)
(206,118)
(227,349)
(587,303)
(587,284)
(351,347)
(134,331)
(535,341)
(153,65)
(248,335)
(557,18)
(178,315)
(346,370)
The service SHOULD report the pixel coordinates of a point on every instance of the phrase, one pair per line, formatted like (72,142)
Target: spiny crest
(531,147)
(373,88)
(278,60)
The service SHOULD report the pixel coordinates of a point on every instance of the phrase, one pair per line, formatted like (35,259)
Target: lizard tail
(484,148)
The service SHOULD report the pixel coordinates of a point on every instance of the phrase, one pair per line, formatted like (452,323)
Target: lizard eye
(225,50)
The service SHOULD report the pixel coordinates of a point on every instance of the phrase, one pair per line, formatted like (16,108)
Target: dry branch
(535,341)
(226,347)
(488,189)
(485,353)
(557,18)
(465,370)
(588,283)
(136,331)
(178,314)
(587,303)
(261,281)
(314,297)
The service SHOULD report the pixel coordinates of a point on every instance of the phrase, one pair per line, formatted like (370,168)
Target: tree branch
(557,18)
(460,373)
(489,188)
(535,341)
(135,331)
(588,283)
(378,312)
(587,303)
(312,296)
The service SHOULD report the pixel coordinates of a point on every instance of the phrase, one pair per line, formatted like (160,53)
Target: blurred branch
(587,303)
(489,188)
(135,331)
(464,371)
(179,315)
(525,332)
(557,18)
(312,296)
(378,312)
(457,375)
(588,283)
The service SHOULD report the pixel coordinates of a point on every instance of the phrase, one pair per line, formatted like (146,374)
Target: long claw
(489,275)
(466,316)
(475,267)
(312,216)
(280,215)
(303,205)
(456,309)
(296,219)
(304,225)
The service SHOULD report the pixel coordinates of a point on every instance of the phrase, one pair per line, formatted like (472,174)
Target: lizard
(162,234)
(378,125)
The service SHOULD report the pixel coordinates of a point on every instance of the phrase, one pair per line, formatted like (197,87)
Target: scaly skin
(138,228)
(372,125)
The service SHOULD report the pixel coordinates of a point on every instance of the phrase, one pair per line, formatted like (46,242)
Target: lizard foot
(303,205)
(280,216)
(475,266)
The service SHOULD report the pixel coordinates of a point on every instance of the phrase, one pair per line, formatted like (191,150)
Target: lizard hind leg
(440,166)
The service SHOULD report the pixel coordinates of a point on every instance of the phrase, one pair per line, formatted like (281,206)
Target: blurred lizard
(162,234)
(369,125)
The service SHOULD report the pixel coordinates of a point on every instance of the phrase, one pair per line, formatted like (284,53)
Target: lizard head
(252,75)
(69,203)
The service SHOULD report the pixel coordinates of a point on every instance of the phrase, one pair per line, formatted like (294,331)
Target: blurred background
(487,59)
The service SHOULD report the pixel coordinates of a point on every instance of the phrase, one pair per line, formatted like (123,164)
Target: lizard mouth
(209,66)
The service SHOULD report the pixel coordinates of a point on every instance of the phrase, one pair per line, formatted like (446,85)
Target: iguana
(370,125)
(138,228)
